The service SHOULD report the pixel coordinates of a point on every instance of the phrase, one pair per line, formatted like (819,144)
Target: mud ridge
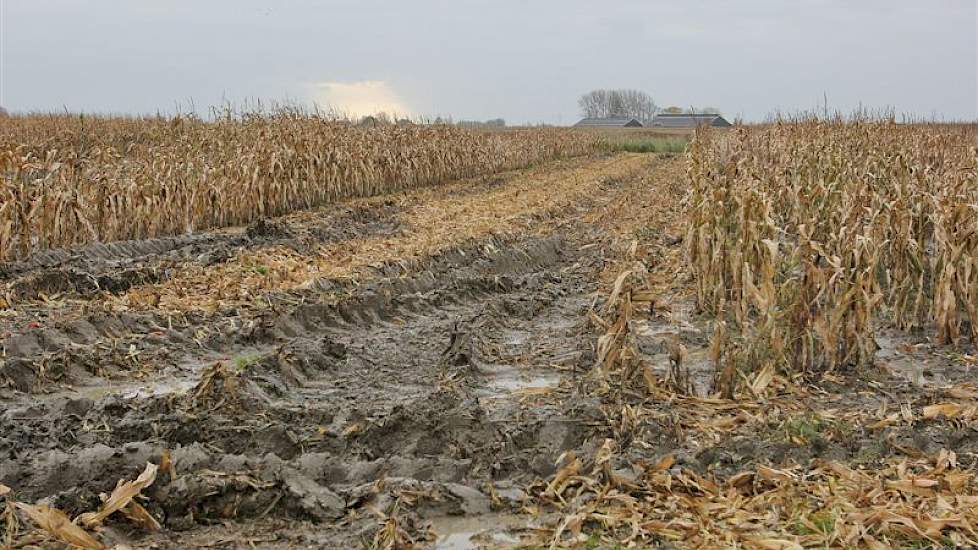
(472,270)
(117,266)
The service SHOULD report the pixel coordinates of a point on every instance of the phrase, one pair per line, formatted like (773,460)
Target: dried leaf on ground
(57,524)
(122,496)
(949,410)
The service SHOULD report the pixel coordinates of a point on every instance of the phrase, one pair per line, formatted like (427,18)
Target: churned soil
(308,379)
(422,369)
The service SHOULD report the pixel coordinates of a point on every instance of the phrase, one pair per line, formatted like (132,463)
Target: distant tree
(3,112)
(673,110)
(701,110)
(594,104)
(617,104)
(491,123)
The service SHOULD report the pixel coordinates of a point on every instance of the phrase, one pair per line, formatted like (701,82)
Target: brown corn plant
(806,236)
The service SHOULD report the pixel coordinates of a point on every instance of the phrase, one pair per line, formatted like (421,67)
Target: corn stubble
(804,238)
(70,180)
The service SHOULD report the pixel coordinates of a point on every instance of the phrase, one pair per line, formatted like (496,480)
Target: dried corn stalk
(805,236)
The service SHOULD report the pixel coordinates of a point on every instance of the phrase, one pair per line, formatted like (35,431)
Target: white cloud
(360,98)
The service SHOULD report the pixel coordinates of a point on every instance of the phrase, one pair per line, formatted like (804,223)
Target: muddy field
(413,369)
(444,375)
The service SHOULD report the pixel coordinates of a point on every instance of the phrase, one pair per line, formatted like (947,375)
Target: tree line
(624,103)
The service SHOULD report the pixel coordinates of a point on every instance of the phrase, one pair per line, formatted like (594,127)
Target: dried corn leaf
(773,474)
(913,486)
(651,381)
(572,523)
(664,463)
(888,421)
(166,464)
(57,524)
(572,465)
(957,482)
(773,544)
(950,410)
(141,516)
(962,392)
(643,296)
(121,497)
(616,290)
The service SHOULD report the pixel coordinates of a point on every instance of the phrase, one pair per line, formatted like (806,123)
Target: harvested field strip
(433,220)
(64,338)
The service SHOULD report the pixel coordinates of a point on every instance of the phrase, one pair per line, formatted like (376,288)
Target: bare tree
(594,104)
(617,104)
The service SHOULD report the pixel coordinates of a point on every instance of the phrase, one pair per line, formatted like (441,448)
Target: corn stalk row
(70,180)
(804,238)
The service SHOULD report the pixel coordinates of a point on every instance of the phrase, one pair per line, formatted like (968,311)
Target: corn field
(70,180)
(805,238)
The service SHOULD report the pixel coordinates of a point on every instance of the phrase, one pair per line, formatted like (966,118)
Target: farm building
(608,123)
(666,120)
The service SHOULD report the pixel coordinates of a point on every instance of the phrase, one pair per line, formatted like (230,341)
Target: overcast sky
(525,61)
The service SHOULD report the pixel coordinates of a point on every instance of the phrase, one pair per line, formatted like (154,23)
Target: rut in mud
(442,376)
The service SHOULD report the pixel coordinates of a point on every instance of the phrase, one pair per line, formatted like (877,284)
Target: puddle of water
(898,354)
(471,532)
(126,390)
(509,381)
(178,381)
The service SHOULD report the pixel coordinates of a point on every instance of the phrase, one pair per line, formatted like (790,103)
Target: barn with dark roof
(609,123)
(668,120)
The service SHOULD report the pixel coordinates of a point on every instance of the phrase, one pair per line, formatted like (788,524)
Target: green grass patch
(820,523)
(804,428)
(595,542)
(649,145)
(242,362)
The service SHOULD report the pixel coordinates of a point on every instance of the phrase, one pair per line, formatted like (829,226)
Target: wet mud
(117,266)
(444,378)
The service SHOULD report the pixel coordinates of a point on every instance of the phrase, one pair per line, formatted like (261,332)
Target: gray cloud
(522,60)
